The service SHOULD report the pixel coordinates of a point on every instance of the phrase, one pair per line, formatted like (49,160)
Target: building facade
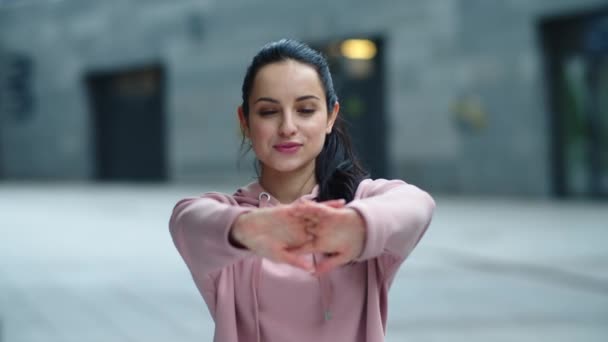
(458,98)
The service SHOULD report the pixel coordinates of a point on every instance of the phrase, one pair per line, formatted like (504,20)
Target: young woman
(309,251)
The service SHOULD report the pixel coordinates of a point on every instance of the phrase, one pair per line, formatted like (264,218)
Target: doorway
(576,55)
(357,67)
(128,123)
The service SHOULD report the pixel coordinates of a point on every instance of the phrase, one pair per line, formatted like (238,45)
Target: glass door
(576,52)
(599,124)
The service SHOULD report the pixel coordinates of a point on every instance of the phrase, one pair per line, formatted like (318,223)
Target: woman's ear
(332,117)
(243,122)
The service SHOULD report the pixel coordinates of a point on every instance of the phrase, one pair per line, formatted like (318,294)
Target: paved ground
(96,263)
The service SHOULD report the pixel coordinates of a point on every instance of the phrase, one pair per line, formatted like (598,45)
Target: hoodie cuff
(374,234)
(232,241)
(231,244)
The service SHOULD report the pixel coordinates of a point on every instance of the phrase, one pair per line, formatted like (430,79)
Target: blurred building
(458,96)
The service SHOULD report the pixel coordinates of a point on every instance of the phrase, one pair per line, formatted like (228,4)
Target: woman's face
(288,117)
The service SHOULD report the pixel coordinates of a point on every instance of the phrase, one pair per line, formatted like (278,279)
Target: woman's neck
(287,187)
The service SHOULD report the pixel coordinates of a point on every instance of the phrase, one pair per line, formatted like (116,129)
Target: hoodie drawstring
(324,283)
(254,286)
(326,294)
(263,200)
(263,203)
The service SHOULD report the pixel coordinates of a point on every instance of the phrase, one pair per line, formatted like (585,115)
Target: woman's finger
(301,210)
(330,263)
(313,211)
(335,203)
(306,248)
(295,260)
(310,221)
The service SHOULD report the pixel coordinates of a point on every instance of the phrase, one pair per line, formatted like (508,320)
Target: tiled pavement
(96,263)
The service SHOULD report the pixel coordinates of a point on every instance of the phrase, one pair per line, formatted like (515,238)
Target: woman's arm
(212,232)
(200,228)
(396,216)
(385,221)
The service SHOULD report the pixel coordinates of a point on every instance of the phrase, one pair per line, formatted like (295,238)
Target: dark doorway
(358,75)
(129,123)
(576,54)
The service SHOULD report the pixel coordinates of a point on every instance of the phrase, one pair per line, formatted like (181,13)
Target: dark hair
(337,169)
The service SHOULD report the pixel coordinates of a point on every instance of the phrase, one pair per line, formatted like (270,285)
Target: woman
(308,252)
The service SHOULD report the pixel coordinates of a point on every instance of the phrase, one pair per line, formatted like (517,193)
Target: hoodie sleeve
(396,214)
(200,230)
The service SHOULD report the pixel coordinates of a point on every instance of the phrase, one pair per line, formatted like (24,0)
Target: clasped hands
(285,232)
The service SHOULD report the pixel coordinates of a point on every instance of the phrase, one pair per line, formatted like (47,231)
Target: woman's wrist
(359,225)
(236,231)
(357,220)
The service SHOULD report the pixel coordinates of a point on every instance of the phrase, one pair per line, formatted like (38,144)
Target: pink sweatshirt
(254,299)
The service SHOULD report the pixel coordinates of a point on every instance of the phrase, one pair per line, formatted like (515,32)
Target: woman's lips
(287,147)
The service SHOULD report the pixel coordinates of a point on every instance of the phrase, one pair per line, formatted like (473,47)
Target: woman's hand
(339,233)
(274,232)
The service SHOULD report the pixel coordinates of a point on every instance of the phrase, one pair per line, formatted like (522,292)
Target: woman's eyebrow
(301,98)
(268,99)
(307,97)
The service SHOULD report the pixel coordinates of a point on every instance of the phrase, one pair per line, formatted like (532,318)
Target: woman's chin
(284,167)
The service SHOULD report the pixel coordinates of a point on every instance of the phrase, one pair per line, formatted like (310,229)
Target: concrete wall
(444,58)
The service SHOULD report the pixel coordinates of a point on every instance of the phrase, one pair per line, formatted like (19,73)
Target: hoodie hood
(253,194)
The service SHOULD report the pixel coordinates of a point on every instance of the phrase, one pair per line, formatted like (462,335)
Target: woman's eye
(267,112)
(307,110)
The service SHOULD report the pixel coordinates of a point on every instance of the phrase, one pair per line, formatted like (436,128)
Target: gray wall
(441,55)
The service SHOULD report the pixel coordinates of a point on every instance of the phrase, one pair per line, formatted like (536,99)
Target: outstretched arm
(212,232)
(387,220)
(200,228)
(396,216)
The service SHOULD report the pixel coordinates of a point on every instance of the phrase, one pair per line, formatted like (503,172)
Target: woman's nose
(288,126)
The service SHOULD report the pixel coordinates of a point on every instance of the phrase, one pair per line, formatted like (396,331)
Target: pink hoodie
(255,299)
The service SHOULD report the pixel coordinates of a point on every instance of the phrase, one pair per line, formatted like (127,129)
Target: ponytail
(337,169)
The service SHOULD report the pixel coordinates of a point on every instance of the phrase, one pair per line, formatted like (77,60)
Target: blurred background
(111,111)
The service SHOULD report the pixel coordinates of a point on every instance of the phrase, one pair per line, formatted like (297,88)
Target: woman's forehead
(286,79)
